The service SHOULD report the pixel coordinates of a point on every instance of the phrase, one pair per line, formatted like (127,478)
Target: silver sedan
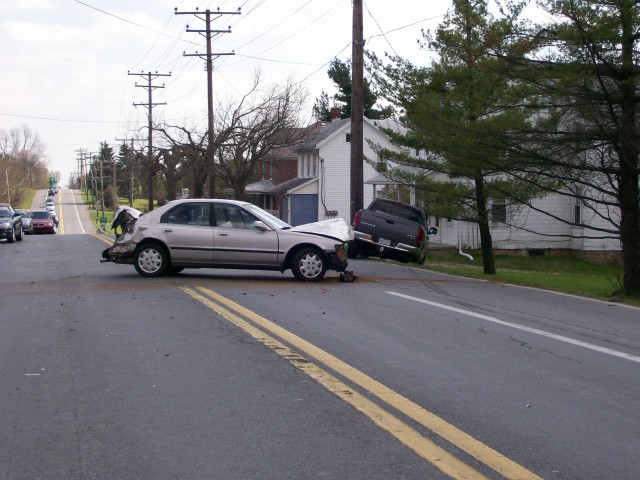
(209,233)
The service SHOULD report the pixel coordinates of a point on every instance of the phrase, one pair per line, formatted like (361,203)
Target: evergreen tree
(459,109)
(586,75)
(340,73)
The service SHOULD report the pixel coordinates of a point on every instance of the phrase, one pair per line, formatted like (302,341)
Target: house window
(315,167)
(347,138)
(499,211)
(577,212)
(437,221)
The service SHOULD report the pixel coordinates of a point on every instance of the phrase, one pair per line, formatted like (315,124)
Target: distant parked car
(42,222)
(26,220)
(209,233)
(10,223)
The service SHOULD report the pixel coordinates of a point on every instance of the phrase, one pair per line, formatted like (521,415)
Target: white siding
(335,171)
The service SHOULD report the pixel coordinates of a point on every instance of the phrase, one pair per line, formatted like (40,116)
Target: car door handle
(223,234)
(168,230)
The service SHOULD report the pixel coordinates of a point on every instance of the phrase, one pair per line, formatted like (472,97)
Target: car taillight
(420,236)
(356,218)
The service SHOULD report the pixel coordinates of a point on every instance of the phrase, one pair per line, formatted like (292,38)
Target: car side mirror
(432,231)
(260,225)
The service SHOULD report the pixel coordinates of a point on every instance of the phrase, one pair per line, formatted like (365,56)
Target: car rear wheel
(151,260)
(309,265)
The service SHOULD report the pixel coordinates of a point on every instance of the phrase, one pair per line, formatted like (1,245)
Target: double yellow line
(266,332)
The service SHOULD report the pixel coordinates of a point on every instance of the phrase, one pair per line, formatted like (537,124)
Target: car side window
(188,214)
(232,216)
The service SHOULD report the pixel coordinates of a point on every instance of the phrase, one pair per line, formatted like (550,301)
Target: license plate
(384,241)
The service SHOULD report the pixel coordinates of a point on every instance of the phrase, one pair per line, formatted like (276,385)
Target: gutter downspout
(460,247)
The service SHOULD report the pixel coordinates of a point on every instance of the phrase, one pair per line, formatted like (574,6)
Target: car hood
(337,228)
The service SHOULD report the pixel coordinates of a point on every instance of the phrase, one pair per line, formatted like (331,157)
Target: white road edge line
(578,343)
(73,195)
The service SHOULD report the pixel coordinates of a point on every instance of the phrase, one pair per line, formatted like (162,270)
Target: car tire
(11,237)
(309,265)
(151,260)
(20,236)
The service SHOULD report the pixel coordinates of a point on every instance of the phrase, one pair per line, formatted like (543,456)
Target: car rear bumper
(397,251)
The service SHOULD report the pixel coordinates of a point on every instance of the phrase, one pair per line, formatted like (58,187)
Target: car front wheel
(309,265)
(12,236)
(151,260)
(20,236)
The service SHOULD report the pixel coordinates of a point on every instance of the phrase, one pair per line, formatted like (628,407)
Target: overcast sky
(64,63)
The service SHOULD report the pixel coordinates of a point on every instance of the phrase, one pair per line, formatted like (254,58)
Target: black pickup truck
(390,229)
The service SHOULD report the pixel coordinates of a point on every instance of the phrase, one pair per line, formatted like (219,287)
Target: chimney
(335,113)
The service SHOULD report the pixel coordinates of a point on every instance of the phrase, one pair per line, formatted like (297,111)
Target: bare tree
(22,162)
(246,132)
(256,127)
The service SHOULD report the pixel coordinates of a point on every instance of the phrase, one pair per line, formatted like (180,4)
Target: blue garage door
(304,209)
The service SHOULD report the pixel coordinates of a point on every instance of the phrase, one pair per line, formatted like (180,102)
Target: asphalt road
(223,374)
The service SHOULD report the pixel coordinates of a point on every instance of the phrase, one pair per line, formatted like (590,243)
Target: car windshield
(40,215)
(273,220)
(4,212)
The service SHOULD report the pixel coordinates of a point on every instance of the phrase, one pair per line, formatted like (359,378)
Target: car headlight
(5,224)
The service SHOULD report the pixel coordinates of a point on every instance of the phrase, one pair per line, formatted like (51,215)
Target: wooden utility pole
(151,171)
(208,33)
(81,178)
(357,110)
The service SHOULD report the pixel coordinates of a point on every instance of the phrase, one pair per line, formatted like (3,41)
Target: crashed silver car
(210,233)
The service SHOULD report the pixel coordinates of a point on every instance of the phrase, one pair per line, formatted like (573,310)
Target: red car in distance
(42,222)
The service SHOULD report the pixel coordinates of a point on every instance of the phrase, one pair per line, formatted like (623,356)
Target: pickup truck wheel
(151,260)
(309,265)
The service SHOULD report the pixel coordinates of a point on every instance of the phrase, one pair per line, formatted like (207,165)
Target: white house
(322,190)
(325,162)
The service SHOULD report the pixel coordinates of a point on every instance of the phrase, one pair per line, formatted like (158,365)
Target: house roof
(289,184)
(380,179)
(263,186)
(322,130)
(267,187)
